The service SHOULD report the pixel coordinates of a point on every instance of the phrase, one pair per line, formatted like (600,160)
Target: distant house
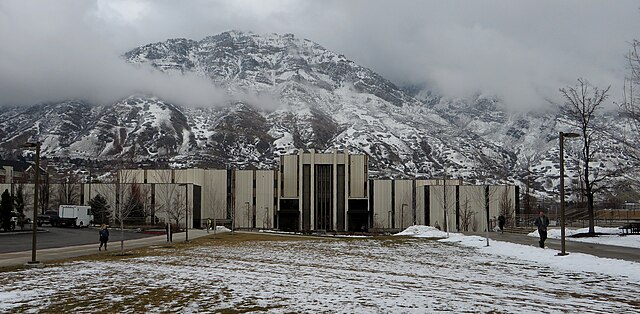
(14,171)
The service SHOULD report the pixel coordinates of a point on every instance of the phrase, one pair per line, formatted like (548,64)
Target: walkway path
(601,250)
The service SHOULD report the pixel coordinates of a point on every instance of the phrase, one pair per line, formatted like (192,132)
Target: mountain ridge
(314,98)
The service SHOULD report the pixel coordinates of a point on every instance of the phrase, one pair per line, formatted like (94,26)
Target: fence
(579,217)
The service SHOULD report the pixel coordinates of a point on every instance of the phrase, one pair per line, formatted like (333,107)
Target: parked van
(75,215)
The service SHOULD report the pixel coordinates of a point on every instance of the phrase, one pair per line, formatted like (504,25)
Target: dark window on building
(323,197)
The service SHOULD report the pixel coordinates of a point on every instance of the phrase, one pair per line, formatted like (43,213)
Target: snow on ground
(611,236)
(423,232)
(347,275)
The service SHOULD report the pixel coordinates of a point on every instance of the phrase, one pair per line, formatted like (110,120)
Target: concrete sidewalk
(44,255)
(600,250)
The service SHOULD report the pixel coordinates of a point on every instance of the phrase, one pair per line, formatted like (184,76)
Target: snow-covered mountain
(287,93)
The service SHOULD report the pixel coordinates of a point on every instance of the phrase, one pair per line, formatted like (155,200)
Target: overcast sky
(520,51)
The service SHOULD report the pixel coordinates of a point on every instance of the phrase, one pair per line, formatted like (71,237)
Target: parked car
(14,222)
(50,217)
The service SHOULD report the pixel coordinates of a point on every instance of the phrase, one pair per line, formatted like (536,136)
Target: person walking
(542,222)
(104,236)
(501,221)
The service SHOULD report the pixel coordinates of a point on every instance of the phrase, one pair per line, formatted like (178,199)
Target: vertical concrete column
(300,187)
(312,204)
(334,192)
(347,181)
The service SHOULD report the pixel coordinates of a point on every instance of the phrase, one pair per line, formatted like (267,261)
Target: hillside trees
(581,103)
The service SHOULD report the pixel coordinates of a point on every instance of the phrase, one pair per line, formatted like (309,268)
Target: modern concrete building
(308,192)
(323,191)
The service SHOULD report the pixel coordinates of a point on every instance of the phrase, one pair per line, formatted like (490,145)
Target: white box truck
(75,215)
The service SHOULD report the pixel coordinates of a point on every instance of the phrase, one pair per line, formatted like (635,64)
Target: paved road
(44,255)
(601,250)
(54,237)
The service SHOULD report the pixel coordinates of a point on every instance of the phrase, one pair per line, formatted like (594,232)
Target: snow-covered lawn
(349,275)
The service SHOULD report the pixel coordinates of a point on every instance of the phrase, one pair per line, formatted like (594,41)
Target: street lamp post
(186,211)
(35,204)
(562,218)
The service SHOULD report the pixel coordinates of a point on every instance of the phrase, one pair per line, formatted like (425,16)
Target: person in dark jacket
(104,237)
(542,222)
(501,221)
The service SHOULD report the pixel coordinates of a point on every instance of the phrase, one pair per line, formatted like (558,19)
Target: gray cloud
(54,52)
(521,51)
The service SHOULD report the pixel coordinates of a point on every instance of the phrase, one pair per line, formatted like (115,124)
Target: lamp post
(35,204)
(562,218)
(186,211)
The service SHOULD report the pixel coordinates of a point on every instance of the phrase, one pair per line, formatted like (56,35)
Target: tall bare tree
(528,199)
(631,104)
(467,216)
(170,196)
(630,107)
(123,196)
(68,190)
(581,104)
(507,208)
(176,212)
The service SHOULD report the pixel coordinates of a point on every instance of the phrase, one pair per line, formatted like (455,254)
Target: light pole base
(562,254)
(32,264)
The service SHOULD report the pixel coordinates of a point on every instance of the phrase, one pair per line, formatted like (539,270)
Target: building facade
(308,192)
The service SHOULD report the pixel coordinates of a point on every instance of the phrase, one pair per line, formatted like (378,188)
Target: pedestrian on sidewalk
(542,222)
(501,221)
(104,236)
(167,228)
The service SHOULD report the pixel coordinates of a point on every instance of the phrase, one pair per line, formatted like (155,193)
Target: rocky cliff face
(286,93)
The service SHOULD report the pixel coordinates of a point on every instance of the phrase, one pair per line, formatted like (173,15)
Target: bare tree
(529,179)
(467,216)
(631,105)
(507,208)
(176,212)
(124,204)
(580,107)
(170,198)
(630,108)
(68,190)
